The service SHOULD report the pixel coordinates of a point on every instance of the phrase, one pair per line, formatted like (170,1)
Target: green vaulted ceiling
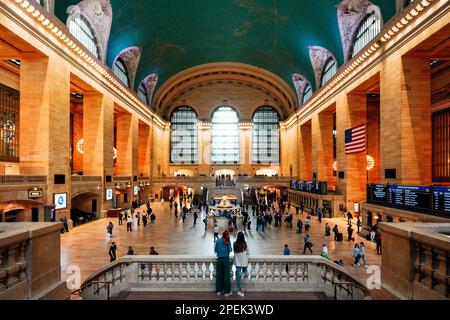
(179,34)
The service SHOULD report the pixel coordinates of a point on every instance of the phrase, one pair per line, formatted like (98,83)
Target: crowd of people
(268,212)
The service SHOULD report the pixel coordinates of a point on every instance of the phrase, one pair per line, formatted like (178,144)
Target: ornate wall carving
(350,14)
(150,83)
(131,57)
(319,56)
(99,15)
(300,83)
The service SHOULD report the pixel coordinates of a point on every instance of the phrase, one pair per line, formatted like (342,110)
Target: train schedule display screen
(441,200)
(416,198)
(377,193)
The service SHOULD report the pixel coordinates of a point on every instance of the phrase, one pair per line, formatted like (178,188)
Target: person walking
(129,223)
(130,251)
(349,218)
(319,215)
(144,219)
(362,253)
(355,255)
(350,233)
(195,218)
(372,235)
(241,253)
(112,252)
(109,229)
(378,240)
(153,252)
(138,218)
(216,232)
(327,231)
(308,244)
(336,232)
(223,249)
(120,218)
(299,226)
(307,223)
(205,221)
(358,224)
(152,218)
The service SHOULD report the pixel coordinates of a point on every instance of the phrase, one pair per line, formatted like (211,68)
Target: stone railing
(259,179)
(122,179)
(22,180)
(193,274)
(196,179)
(88,179)
(30,262)
(424,252)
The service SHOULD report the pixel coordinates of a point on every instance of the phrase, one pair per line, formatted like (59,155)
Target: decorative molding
(99,15)
(300,83)
(150,83)
(131,56)
(319,57)
(49,5)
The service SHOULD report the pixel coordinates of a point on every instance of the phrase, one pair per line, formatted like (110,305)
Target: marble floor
(87,246)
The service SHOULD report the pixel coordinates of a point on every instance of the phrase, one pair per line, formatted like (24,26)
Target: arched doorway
(85,208)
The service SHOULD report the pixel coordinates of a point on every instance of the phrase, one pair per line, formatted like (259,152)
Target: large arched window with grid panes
(367,31)
(184,136)
(81,29)
(120,70)
(307,93)
(329,71)
(266,136)
(225,135)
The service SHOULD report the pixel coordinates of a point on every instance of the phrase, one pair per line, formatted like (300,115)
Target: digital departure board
(317,187)
(377,193)
(441,200)
(410,197)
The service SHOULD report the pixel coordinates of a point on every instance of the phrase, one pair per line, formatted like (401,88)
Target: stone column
(245,154)
(405,124)
(305,152)
(98,135)
(144,153)
(127,144)
(322,146)
(350,113)
(204,148)
(45,123)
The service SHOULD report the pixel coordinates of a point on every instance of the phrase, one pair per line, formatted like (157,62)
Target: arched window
(120,70)
(184,142)
(225,135)
(307,93)
(266,136)
(367,31)
(329,71)
(142,94)
(80,28)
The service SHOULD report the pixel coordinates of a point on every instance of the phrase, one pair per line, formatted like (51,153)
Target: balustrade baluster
(292,268)
(256,272)
(3,273)
(162,272)
(177,272)
(205,272)
(262,273)
(284,274)
(184,272)
(212,271)
(154,272)
(11,267)
(169,272)
(197,269)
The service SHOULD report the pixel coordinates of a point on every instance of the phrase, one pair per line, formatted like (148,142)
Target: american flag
(355,140)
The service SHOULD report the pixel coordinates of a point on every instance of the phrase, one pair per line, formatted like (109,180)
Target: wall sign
(60,201)
(35,194)
(109,194)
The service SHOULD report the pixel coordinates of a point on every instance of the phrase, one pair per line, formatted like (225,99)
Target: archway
(85,208)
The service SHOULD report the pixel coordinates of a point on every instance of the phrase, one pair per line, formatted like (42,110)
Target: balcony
(21,180)
(266,274)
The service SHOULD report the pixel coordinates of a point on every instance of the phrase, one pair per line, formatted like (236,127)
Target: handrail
(87,285)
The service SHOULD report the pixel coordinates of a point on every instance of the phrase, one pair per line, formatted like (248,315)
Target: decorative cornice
(50,29)
(347,72)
